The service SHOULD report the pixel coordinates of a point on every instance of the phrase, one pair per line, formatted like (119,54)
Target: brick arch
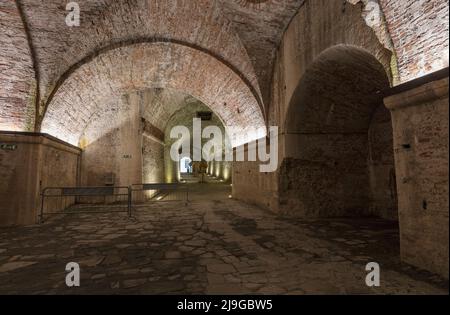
(339,156)
(309,35)
(150,65)
(114,23)
(344,81)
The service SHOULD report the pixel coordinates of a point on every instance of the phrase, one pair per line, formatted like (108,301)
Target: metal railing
(107,199)
(75,200)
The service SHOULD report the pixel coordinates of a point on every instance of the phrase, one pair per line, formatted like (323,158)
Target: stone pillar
(130,139)
(420,122)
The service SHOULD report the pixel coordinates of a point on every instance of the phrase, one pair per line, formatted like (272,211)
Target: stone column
(130,138)
(420,122)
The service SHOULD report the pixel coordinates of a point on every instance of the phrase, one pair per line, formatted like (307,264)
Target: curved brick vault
(16,72)
(39,51)
(339,92)
(150,65)
(109,23)
(345,165)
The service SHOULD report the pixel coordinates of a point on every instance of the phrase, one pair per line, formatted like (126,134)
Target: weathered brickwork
(241,34)
(152,161)
(309,36)
(113,145)
(420,120)
(317,69)
(144,66)
(16,71)
(260,27)
(420,33)
(109,22)
(381,166)
(327,170)
(118,144)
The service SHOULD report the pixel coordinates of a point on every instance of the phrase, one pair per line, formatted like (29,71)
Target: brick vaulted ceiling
(39,53)
(241,35)
(144,66)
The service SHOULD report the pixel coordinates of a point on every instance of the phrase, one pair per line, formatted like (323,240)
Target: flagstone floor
(217,246)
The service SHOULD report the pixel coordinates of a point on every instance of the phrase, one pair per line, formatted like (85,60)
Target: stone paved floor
(212,247)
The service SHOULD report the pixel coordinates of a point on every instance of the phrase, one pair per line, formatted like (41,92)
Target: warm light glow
(169,178)
(159,198)
(226,173)
(217,172)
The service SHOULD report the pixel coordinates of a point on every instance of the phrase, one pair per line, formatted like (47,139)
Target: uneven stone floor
(208,247)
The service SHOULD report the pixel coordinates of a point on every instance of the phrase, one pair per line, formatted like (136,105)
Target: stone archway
(150,65)
(339,151)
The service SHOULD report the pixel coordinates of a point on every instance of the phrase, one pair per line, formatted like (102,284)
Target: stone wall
(113,145)
(143,66)
(152,161)
(327,146)
(381,166)
(327,178)
(420,120)
(318,26)
(252,186)
(37,162)
(327,166)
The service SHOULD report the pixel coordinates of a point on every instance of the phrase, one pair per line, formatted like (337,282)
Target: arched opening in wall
(195,155)
(134,139)
(339,146)
(186,166)
(117,104)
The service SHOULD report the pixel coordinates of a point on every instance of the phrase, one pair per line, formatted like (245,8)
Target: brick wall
(16,72)
(420,33)
(420,123)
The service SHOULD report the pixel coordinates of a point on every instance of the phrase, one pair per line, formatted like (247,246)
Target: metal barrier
(75,200)
(145,193)
(107,199)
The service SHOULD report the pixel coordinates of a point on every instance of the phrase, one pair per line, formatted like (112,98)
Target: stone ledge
(38,138)
(426,92)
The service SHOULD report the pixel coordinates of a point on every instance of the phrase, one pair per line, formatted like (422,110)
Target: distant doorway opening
(186,166)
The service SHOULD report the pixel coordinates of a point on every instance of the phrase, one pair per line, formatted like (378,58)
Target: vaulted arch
(339,139)
(151,65)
